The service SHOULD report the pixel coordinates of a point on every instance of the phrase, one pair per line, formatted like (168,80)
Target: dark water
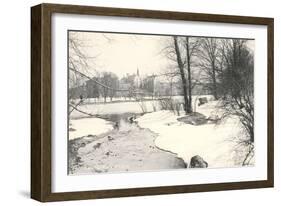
(117,118)
(141,154)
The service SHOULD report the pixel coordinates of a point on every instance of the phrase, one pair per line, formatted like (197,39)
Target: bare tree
(113,83)
(209,62)
(105,79)
(191,46)
(182,74)
(182,52)
(148,85)
(238,83)
(77,59)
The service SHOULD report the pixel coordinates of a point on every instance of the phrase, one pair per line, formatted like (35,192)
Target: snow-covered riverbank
(121,107)
(88,126)
(130,148)
(215,143)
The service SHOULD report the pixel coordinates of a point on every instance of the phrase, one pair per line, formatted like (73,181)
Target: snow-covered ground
(124,107)
(114,99)
(212,142)
(114,108)
(119,99)
(88,126)
(129,149)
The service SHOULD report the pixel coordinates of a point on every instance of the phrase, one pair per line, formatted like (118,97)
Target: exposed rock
(97,145)
(198,162)
(194,118)
(202,100)
(90,135)
(132,120)
(116,125)
(73,147)
(110,138)
(213,119)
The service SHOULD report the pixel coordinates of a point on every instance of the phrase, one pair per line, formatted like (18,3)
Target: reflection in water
(118,118)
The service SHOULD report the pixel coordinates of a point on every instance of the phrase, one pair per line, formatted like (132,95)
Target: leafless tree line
(223,66)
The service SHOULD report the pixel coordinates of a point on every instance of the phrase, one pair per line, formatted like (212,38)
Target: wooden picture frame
(41,97)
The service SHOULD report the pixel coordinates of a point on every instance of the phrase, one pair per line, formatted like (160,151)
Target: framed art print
(130,102)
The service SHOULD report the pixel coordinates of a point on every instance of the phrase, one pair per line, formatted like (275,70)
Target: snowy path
(129,149)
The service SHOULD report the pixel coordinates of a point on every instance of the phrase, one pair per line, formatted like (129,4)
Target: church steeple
(138,74)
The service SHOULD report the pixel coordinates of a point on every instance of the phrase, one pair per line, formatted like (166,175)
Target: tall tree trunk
(188,75)
(215,93)
(105,94)
(171,87)
(181,68)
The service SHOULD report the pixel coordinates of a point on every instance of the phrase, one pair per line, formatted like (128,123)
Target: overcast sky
(124,53)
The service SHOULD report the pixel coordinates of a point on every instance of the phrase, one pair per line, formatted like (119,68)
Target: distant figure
(202,100)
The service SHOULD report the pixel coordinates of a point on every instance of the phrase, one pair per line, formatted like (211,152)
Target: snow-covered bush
(170,104)
(154,107)
(143,106)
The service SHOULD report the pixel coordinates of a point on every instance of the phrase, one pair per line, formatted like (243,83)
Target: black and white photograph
(154,102)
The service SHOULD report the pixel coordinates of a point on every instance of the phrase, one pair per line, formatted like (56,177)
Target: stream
(125,148)
(119,118)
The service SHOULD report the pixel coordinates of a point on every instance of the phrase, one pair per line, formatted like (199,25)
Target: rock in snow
(198,162)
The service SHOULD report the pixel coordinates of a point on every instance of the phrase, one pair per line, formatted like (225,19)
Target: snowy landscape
(171,103)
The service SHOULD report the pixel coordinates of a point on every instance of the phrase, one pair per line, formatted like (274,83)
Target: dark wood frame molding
(41,101)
